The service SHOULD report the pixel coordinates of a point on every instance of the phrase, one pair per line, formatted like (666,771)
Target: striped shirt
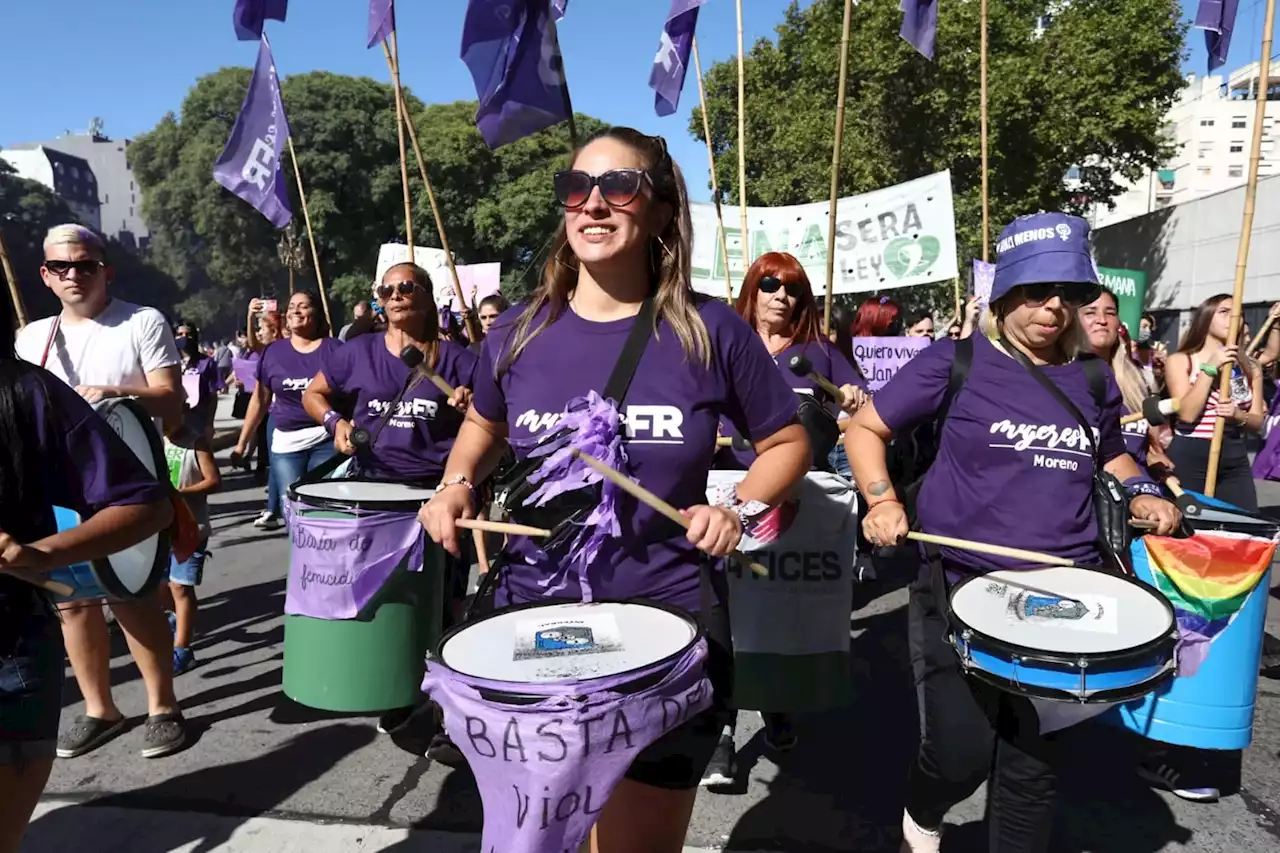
(1203,428)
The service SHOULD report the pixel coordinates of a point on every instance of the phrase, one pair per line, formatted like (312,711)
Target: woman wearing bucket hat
(1009,450)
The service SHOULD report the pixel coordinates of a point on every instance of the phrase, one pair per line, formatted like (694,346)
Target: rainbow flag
(1209,575)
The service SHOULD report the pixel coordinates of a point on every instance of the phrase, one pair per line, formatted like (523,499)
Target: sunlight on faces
(76,288)
(402,309)
(300,315)
(1037,325)
(1101,322)
(600,234)
(775,311)
(923,329)
(488,314)
(1220,325)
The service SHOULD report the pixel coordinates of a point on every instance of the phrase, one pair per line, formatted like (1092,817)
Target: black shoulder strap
(623,372)
(1096,373)
(1056,392)
(960,365)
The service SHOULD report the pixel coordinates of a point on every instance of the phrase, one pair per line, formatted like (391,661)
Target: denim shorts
(189,572)
(31,690)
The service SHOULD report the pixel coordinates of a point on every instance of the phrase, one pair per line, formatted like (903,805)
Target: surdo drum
(1063,634)
(134,572)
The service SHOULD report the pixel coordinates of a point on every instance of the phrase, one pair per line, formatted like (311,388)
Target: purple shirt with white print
(1013,466)
(671,408)
(288,373)
(414,443)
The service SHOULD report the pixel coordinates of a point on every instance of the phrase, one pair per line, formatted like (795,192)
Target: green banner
(1130,288)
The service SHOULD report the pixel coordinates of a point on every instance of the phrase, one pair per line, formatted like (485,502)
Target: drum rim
(1113,695)
(318,502)
(102,568)
(1131,653)
(434,654)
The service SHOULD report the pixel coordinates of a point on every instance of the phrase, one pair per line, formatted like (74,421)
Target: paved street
(264,774)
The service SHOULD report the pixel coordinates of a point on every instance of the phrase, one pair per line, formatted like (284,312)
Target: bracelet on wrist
(458,480)
(871,506)
(1136,487)
(1209,370)
(330,421)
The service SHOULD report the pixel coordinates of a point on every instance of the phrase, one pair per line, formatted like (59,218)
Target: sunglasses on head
(618,187)
(62,268)
(384,290)
(1072,295)
(771,283)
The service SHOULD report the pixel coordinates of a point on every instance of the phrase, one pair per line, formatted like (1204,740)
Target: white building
(1212,126)
(69,177)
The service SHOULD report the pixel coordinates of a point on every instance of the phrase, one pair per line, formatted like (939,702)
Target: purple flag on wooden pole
(1217,18)
(250,164)
(920,25)
(382,20)
(672,62)
(249,16)
(511,49)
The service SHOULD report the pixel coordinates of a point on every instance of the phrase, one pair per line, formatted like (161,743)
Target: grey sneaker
(87,734)
(163,734)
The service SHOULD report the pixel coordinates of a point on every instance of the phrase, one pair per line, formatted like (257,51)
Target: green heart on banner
(906,257)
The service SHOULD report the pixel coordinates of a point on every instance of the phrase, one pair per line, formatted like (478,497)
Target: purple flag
(920,25)
(559,7)
(250,164)
(511,49)
(250,15)
(382,20)
(1217,18)
(880,358)
(672,61)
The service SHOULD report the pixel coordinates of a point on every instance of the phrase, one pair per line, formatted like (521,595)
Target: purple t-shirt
(84,465)
(287,373)
(1135,437)
(1013,467)
(200,383)
(672,408)
(828,362)
(415,442)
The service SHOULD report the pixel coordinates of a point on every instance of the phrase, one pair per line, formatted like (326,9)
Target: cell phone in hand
(270,306)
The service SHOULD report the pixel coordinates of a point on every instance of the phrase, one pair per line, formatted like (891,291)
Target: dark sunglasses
(84,268)
(618,187)
(770,284)
(404,288)
(1072,295)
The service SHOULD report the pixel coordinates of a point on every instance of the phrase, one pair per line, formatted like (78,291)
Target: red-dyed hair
(877,317)
(805,327)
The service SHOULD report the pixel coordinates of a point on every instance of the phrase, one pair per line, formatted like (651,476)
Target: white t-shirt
(120,346)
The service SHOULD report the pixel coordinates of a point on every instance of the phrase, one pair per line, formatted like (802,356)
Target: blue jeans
(288,468)
(274,503)
(840,461)
(189,572)
(31,689)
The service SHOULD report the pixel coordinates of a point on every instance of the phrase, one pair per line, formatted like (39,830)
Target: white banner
(477,280)
(899,236)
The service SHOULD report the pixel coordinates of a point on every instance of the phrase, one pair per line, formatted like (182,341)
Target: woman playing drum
(626,237)
(1014,467)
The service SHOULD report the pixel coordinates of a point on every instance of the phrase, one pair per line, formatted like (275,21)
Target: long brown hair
(431,324)
(1133,386)
(1193,341)
(784,267)
(668,257)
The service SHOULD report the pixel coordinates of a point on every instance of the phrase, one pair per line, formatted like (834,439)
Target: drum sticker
(556,638)
(1089,612)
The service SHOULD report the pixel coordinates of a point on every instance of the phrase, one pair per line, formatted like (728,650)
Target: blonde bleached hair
(668,256)
(74,235)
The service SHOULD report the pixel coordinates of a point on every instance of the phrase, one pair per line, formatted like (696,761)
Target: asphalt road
(253,752)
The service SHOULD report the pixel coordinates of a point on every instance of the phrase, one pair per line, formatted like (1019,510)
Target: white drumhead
(363,491)
(559,642)
(1072,611)
(133,567)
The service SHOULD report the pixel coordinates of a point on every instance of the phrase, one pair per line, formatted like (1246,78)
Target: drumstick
(654,502)
(994,550)
(501,527)
(37,579)
(801,366)
(737,442)
(1164,407)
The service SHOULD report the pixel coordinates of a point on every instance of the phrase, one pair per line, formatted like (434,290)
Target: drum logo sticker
(553,638)
(1093,613)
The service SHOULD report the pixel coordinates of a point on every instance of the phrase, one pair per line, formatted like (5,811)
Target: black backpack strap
(960,364)
(1096,373)
(623,372)
(1063,400)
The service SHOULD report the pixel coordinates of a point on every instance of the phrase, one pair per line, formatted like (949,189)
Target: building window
(131,211)
(1206,122)
(1164,201)
(1205,171)
(1235,171)
(132,199)
(1236,147)
(1238,122)
(107,199)
(1206,151)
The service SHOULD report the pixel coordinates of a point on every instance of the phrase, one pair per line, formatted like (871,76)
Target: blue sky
(131,61)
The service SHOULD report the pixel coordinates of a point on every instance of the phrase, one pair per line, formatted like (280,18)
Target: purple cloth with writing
(1136,437)
(881,358)
(545,770)
(245,370)
(249,16)
(671,410)
(512,51)
(287,373)
(337,565)
(382,20)
(1266,465)
(415,442)
(1013,467)
(1217,18)
(250,164)
(672,61)
(920,25)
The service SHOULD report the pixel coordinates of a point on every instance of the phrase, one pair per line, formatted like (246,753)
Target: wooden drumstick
(1164,407)
(501,527)
(37,579)
(994,550)
(801,366)
(654,502)
(414,359)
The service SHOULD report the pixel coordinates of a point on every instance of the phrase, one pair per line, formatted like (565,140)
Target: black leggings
(965,722)
(1190,457)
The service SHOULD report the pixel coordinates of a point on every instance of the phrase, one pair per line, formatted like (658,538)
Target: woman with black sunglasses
(626,238)
(1014,467)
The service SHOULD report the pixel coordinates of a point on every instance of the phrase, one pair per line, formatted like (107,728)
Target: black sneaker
(394,720)
(722,768)
(443,751)
(1270,663)
(87,734)
(163,734)
(778,732)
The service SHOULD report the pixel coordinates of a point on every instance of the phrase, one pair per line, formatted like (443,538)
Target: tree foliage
(1092,91)
(496,205)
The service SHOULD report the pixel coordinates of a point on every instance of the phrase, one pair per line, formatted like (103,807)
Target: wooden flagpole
(742,151)
(835,168)
(715,190)
(401,118)
(468,311)
(986,224)
(19,309)
(311,237)
(1246,232)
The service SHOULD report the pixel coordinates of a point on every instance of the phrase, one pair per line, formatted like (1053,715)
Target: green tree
(1092,91)
(496,205)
